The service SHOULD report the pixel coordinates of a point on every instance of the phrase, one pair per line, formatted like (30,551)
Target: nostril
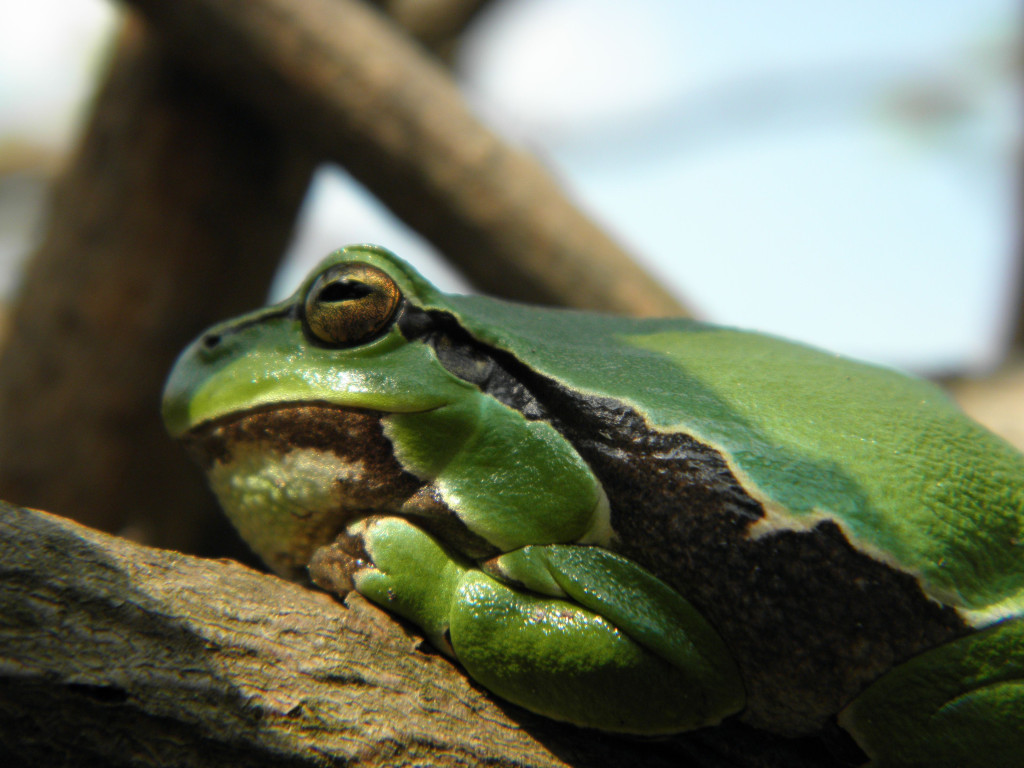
(211,340)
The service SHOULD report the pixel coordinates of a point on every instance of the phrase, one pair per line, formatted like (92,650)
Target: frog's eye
(350,304)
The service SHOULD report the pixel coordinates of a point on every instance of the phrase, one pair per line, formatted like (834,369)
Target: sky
(842,173)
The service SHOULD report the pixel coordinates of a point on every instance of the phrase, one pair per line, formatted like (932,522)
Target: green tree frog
(639,525)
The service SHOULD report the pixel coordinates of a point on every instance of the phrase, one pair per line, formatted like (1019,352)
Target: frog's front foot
(547,654)
(399,567)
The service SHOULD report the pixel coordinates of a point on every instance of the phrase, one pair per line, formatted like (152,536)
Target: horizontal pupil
(344,290)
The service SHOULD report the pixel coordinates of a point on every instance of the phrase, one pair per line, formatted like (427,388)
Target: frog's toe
(408,572)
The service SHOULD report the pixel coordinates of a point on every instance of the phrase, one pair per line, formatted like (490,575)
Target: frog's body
(824,521)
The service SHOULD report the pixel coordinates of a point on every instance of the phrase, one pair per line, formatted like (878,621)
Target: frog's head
(283,406)
(334,342)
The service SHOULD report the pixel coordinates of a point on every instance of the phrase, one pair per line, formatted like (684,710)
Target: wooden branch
(437,24)
(1016,340)
(1017,327)
(338,74)
(173,212)
(112,653)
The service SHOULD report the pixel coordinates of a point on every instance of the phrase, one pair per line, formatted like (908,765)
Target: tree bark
(112,653)
(437,24)
(339,75)
(173,212)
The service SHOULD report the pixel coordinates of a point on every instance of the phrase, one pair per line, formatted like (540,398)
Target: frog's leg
(547,654)
(641,605)
(956,706)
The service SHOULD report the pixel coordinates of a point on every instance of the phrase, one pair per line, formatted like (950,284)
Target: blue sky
(841,172)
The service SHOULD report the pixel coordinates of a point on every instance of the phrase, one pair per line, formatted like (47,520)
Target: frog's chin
(292,477)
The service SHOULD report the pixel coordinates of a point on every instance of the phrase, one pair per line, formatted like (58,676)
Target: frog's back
(830,518)
(891,459)
(812,436)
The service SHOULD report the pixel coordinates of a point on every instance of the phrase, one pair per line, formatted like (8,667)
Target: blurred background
(842,173)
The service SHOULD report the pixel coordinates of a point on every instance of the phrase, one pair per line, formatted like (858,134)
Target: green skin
(544,613)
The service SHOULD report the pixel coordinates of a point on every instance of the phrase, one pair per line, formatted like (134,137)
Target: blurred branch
(117,654)
(339,75)
(437,24)
(1017,337)
(173,211)
(26,157)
